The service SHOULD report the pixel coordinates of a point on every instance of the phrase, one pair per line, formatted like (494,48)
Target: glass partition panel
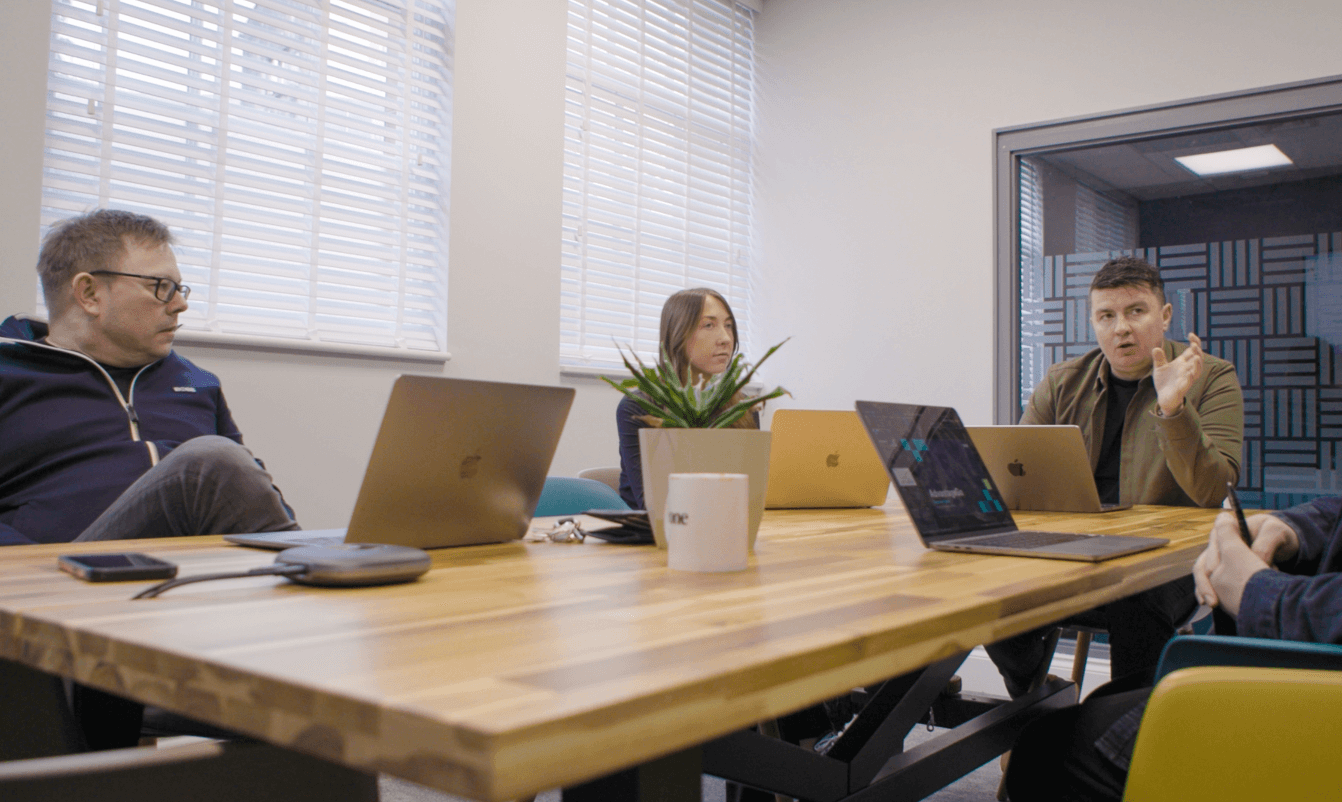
(1272,306)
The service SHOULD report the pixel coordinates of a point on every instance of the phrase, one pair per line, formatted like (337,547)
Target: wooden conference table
(513,668)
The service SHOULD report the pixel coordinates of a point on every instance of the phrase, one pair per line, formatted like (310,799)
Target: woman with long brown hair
(698,333)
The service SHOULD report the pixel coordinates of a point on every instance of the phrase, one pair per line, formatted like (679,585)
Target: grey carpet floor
(979,786)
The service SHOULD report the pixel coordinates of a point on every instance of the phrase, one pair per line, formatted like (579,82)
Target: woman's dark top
(631,465)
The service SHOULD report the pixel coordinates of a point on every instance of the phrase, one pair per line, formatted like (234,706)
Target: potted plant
(688,429)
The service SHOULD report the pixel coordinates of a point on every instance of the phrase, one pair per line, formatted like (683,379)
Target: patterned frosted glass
(1272,306)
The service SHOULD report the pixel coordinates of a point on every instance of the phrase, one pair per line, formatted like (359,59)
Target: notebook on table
(455,463)
(823,459)
(1042,468)
(951,497)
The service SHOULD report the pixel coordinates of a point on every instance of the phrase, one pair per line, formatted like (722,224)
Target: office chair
(43,757)
(606,476)
(1192,651)
(1218,725)
(570,495)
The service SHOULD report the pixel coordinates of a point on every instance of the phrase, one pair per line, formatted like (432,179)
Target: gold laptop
(823,458)
(1040,467)
(456,463)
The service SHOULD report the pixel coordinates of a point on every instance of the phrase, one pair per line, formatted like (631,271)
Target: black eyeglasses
(164,288)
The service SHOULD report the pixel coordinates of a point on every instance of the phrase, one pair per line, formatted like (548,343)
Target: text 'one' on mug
(707,521)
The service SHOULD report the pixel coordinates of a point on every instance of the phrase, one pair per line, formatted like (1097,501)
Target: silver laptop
(951,497)
(823,459)
(455,463)
(1040,468)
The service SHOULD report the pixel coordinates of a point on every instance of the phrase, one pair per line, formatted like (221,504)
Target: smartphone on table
(121,567)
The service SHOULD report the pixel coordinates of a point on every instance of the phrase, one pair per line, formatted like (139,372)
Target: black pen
(1239,514)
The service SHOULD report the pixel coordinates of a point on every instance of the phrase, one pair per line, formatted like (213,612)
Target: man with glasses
(105,432)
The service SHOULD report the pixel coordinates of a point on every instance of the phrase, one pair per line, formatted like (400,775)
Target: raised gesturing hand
(1174,379)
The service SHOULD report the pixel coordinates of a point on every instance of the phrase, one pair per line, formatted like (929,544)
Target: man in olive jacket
(1163,423)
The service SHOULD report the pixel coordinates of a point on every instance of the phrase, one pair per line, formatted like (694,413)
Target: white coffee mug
(707,521)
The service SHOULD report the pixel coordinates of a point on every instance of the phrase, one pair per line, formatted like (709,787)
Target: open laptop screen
(945,486)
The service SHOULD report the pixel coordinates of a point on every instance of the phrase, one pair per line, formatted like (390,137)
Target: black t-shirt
(122,376)
(1111,446)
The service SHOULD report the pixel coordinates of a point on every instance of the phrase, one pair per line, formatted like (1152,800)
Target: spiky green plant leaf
(706,404)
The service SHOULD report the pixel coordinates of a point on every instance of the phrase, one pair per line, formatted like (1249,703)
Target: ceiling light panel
(1235,161)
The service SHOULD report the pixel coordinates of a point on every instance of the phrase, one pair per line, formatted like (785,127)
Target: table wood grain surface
(508,669)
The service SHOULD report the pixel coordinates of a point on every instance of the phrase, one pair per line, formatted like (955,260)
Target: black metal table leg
(871,764)
(936,763)
(896,708)
(674,778)
(752,759)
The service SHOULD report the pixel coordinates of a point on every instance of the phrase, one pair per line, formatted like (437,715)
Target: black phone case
(70,564)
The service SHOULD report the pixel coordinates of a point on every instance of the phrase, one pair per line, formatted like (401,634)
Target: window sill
(616,374)
(620,374)
(276,344)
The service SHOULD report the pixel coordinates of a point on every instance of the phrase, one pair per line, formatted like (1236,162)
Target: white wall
(313,418)
(875,159)
(24,30)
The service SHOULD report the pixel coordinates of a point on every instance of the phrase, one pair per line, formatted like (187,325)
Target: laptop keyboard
(1026,539)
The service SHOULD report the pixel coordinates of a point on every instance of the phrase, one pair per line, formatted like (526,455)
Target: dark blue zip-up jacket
(1302,601)
(70,443)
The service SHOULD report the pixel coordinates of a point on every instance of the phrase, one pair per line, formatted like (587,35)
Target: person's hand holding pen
(1224,568)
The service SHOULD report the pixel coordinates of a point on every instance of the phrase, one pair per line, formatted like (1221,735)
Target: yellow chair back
(1231,733)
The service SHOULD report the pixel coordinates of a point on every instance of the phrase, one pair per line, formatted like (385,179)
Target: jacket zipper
(134,416)
(127,406)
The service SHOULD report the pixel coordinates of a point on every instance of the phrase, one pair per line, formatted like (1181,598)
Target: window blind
(657,169)
(1102,223)
(1031,214)
(1034,314)
(299,151)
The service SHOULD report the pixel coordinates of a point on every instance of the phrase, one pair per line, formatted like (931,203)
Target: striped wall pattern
(1271,306)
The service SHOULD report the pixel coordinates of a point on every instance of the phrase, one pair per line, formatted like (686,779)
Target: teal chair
(1228,650)
(569,495)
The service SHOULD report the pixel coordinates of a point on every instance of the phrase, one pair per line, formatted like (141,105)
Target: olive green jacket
(1184,460)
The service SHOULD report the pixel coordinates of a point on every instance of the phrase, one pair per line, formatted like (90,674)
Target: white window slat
(298,151)
(657,180)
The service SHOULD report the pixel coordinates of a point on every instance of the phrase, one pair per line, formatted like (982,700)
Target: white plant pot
(668,451)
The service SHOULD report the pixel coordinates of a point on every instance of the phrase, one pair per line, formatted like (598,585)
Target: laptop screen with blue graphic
(945,486)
